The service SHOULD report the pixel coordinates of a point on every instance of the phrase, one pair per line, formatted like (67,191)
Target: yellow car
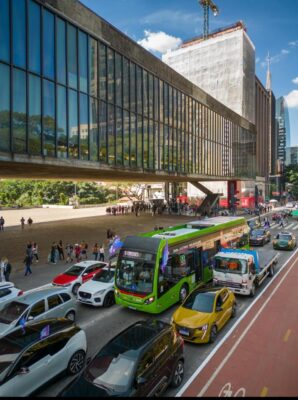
(204,313)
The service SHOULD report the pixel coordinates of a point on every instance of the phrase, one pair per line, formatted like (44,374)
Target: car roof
(88,263)
(39,294)
(138,336)
(22,337)
(4,285)
(209,290)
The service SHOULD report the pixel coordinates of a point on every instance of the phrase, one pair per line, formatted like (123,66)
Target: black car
(258,237)
(143,360)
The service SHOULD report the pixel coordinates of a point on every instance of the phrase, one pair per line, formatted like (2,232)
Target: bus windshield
(230,265)
(135,272)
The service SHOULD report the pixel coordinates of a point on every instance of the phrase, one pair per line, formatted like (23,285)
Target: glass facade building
(68,95)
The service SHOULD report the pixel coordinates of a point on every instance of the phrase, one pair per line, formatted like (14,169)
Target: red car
(78,274)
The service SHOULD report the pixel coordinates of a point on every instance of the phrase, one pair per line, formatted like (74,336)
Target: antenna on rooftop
(208,4)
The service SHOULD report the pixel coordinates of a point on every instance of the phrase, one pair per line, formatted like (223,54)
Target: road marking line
(290,226)
(229,333)
(287,335)
(264,392)
(295,227)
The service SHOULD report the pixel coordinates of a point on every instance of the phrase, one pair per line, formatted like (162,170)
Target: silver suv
(35,306)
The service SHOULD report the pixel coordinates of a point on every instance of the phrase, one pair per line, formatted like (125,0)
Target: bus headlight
(150,300)
(117,293)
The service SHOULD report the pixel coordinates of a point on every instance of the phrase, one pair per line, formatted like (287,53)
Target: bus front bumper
(136,303)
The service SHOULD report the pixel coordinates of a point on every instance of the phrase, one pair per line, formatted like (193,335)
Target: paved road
(102,324)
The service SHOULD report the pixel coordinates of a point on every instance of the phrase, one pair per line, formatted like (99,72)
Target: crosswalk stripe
(295,227)
(274,226)
(290,226)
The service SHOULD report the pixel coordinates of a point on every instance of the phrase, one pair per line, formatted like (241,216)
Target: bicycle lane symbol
(227,391)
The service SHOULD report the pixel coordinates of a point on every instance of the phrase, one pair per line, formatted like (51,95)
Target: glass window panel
(139,90)
(151,96)
(4,107)
(179,151)
(61,122)
(103,71)
(166,103)
(133,140)
(118,79)
(83,60)
(145,92)
(34,37)
(19,111)
(19,33)
(48,120)
(103,132)
(170,149)
(61,50)
(73,124)
(72,56)
(156,99)
(156,146)
(145,143)
(161,147)
(48,45)
(93,120)
(151,144)
(4,31)
(140,143)
(166,147)
(170,106)
(111,134)
(84,128)
(111,76)
(126,138)
(125,83)
(119,137)
(93,89)
(34,117)
(161,101)
(132,87)
(174,149)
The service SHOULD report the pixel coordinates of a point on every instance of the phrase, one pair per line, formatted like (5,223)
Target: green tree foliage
(292,177)
(33,193)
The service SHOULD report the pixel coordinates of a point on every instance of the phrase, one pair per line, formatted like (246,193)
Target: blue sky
(272,26)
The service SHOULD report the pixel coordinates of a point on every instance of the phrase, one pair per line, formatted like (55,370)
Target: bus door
(198,264)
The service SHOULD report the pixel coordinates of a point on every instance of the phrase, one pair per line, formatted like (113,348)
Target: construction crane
(208,4)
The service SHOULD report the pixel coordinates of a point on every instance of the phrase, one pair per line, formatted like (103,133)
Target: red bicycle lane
(260,357)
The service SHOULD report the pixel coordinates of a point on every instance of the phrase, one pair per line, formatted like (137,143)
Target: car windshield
(9,352)
(135,272)
(105,276)
(112,373)
(75,270)
(284,237)
(202,302)
(258,232)
(230,265)
(12,311)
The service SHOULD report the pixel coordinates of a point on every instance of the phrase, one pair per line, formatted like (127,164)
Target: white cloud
(257,60)
(284,51)
(159,41)
(292,99)
(294,43)
(295,80)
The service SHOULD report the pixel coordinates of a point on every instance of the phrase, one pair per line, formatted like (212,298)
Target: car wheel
(71,315)
(75,289)
(213,334)
(178,374)
(183,293)
(76,363)
(253,290)
(271,271)
(263,242)
(234,311)
(109,300)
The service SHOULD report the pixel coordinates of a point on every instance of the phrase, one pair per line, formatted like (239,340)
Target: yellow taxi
(204,313)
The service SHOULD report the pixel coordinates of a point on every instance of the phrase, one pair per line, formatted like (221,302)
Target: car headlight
(274,241)
(172,320)
(99,292)
(203,328)
(67,284)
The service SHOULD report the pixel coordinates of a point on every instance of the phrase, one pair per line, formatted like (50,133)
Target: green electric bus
(149,281)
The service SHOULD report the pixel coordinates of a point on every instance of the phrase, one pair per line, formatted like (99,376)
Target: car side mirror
(141,380)
(23,371)
(218,309)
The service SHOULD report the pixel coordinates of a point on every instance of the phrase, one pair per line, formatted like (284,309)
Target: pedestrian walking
(95,251)
(60,250)
(101,253)
(84,248)
(69,252)
(35,251)
(6,269)
(30,221)
(77,250)
(2,222)
(28,262)
(53,253)
(22,222)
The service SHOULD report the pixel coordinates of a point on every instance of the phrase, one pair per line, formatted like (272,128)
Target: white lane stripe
(290,226)
(274,226)
(229,333)
(295,227)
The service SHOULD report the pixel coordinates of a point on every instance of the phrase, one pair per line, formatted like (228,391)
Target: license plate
(184,332)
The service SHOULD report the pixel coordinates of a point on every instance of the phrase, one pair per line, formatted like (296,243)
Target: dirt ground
(92,229)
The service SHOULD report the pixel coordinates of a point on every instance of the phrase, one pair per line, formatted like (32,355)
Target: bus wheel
(253,290)
(183,293)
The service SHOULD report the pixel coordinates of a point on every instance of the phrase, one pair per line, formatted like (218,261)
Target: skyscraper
(284,133)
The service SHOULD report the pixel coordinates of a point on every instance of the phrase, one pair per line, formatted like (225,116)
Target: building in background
(292,155)
(284,133)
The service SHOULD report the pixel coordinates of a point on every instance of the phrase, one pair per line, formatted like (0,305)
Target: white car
(33,355)
(290,205)
(8,292)
(99,291)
